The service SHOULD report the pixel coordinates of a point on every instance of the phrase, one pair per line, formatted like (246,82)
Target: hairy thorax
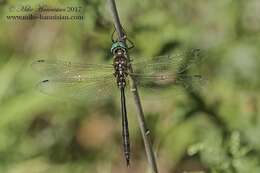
(121,68)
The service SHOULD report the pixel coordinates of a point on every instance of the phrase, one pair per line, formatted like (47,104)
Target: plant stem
(141,119)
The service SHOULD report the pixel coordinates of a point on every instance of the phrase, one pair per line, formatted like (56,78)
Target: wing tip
(44,81)
(40,60)
(36,62)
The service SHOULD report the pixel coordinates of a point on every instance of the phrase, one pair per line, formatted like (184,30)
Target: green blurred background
(215,129)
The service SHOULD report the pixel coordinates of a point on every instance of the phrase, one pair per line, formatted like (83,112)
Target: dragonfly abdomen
(125,130)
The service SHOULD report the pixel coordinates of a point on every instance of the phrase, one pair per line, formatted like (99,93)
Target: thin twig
(144,130)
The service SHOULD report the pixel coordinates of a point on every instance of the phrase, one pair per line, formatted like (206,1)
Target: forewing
(177,63)
(59,69)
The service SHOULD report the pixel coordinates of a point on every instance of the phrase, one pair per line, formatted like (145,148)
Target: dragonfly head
(118,46)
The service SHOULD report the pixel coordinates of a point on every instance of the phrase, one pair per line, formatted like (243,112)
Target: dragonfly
(97,80)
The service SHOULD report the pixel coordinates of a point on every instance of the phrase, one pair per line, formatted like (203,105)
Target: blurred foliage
(213,130)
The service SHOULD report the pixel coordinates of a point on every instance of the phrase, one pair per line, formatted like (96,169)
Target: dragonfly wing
(59,69)
(177,63)
(78,87)
(165,80)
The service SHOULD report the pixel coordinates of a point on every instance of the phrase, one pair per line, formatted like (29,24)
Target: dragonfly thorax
(120,67)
